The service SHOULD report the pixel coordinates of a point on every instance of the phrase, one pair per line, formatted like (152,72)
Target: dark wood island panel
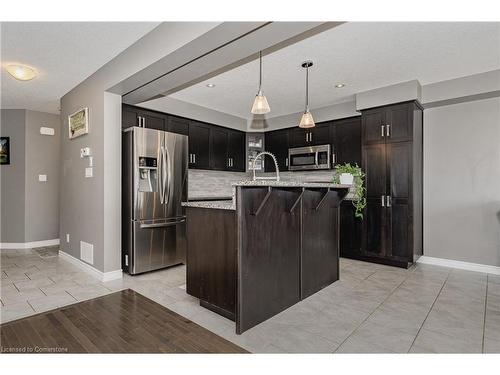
(276,246)
(211,258)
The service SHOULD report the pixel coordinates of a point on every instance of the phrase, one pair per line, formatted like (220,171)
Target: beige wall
(42,157)
(30,208)
(462,182)
(12,177)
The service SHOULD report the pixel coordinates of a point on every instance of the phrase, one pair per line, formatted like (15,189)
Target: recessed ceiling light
(21,72)
(339,85)
(210,85)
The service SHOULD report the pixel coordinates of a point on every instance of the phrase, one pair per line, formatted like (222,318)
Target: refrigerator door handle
(161,184)
(162,225)
(166,177)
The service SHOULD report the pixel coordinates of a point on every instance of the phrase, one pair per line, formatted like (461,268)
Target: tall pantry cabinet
(392,160)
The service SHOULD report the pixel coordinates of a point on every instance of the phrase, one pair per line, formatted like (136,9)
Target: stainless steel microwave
(309,158)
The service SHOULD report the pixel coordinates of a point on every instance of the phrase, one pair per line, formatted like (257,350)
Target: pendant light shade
(260,104)
(307,120)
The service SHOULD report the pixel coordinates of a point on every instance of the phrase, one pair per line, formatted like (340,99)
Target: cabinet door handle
(333,159)
(388,130)
(310,136)
(194,158)
(383,131)
(383,200)
(144,122)
(389,201)
(286,162)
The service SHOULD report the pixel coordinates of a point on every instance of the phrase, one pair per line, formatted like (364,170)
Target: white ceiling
(64,54)
(362,55)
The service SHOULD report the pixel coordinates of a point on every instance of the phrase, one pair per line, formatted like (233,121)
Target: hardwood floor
(122,322)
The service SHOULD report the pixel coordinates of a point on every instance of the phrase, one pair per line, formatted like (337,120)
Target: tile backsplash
(206,184)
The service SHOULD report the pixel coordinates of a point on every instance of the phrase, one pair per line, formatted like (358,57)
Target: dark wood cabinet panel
(393,167)
(320,134)
(319,258)
(269,255)
(299,137)
(374,227)
(399,229)
(277,142)
(399,169)
(350,230)
(346,140)
(372,122)
(236,151)
(178,125)
(374,162)
(199,145)
(211,256)
(130,117)
(218,149)
(154,120)
(398,121)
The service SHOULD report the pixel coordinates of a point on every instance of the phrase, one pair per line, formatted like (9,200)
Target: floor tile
(51,302)
(491,346)
(31,284)
(15,311)
(434,342)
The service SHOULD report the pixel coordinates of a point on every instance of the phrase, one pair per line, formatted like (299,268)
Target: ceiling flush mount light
(339,85)
(260,104)
(21,72)
(210,85)
(307,120)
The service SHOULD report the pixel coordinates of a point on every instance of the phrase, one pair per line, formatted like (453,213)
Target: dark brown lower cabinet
(211,258)
(350,230)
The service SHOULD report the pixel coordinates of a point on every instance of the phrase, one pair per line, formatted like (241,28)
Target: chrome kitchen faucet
(277,178)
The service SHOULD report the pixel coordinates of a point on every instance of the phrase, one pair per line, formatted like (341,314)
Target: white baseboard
(476,267)
(28,245)
(103,276)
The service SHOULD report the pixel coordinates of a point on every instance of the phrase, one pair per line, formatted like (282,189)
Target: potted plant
(345,173)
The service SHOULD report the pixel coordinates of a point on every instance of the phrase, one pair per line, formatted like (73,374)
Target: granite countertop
(220,205)
(288,183)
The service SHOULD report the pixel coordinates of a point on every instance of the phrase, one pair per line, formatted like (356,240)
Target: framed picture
(4,150)
(78,123)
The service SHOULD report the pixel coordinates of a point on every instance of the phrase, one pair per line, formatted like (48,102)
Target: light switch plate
(88,172)
(42,177)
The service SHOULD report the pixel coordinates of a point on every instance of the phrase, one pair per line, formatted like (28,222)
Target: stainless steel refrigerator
(154,173)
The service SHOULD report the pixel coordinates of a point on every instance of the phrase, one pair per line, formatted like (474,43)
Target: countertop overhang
(230,204)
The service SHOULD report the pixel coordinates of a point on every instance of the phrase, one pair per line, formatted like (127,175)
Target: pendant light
(260,105)
(307,120)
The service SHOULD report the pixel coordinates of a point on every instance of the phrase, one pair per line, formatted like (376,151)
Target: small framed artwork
(78,123)
(4,150)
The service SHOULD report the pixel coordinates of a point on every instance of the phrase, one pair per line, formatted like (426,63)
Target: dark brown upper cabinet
(236,151)
(319,135)
(277,143)
(178,125)
(218,149)
(199,145)
(388,124)
(392,161)
(346,141)
(210,146)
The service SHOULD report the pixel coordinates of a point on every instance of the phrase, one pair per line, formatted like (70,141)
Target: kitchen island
(274,244)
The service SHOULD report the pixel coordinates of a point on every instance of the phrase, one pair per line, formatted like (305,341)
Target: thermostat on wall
(47,131)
